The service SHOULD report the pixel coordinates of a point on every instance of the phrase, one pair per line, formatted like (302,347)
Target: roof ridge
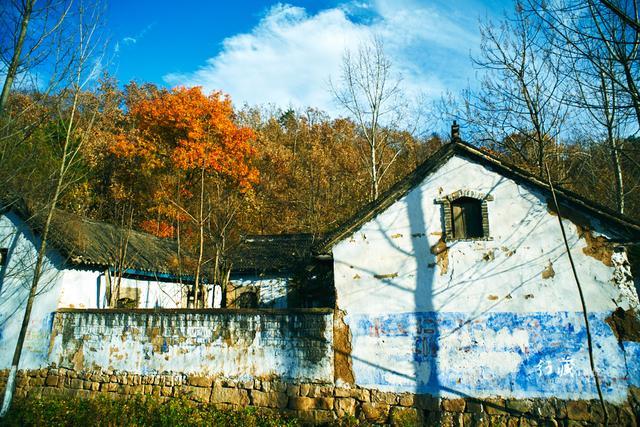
(444,153)
(534,179)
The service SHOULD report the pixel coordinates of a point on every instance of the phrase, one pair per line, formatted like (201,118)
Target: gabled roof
(565,197)
(85,242)
(88,242)
(280,253)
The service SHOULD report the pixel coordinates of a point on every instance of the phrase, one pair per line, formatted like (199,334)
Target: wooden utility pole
(584,305)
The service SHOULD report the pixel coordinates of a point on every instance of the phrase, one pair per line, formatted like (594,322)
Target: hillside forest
(557,87)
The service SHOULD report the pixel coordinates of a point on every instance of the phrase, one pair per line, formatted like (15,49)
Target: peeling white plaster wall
(240,344)
(15,281)
(272,291)
(82,288)
(469,327)
(86,288)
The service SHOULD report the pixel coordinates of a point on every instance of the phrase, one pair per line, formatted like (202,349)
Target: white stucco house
(87,259)
(83,257)
(456,282)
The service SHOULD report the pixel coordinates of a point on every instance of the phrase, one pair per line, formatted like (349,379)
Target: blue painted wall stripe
(461,354)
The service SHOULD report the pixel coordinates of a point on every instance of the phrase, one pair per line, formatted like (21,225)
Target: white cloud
(131,40)
(288,58)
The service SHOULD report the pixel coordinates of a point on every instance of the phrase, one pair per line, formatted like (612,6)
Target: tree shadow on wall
(433,322)
(426,344)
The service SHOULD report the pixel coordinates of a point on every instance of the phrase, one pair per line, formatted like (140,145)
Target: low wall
(321,403)
(281,360)
(242,344)
(515,355)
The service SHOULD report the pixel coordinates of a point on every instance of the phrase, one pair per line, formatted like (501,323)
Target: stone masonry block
(52,381)
(199,381)
(309,403)
(578,410)
(269,399)
(406,399)
(375,412)
(383,397)
(199,394)
(301,403)
(453,405)
(520,406)
(230,395)
(345,406)
(401,416)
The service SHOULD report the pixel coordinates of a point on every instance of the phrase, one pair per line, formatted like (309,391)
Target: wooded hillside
(189,165)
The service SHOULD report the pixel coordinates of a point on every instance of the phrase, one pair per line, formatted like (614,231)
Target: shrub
(136,411)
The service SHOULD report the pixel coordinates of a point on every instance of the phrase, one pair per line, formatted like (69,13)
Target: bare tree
(121,236)
(84,44)
(627,18)
(605,120)
(224,204)
(24,13)
(371,94)
(591,35)
(36,65)
(213,215)
(199,217)
(598,45)
(520,105)
(29,46)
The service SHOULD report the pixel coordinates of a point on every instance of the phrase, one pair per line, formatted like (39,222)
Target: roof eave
(404,186)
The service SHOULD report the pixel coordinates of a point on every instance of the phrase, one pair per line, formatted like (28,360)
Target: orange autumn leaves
(158,228)
(180,132)
(187,129)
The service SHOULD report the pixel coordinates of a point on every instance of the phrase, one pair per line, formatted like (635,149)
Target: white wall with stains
(61,286)
(82,288)
(271,291)
(15,281)
(480,318)
(231,343)
(86,288)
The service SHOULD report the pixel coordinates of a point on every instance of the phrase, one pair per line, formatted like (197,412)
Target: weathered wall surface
(498,317)
(245,344)
(86,288)
(271,291)
(15,281)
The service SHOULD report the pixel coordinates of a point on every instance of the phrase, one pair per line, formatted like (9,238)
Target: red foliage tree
(182,139)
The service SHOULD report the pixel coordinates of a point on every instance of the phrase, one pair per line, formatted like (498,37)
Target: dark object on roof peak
(623,223)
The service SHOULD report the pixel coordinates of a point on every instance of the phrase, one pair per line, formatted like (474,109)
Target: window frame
(447,208)
(4,257)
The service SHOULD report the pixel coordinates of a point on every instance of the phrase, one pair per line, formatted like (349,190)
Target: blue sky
(285,53)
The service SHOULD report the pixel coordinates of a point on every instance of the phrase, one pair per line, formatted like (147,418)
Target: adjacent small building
(88,260)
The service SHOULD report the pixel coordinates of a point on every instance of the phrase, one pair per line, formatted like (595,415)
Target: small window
(466,216)
(248,299)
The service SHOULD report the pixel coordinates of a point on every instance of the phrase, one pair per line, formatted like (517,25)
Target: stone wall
(319,402)
(233,343)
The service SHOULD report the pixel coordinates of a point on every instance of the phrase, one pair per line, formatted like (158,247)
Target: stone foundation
(320,403)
